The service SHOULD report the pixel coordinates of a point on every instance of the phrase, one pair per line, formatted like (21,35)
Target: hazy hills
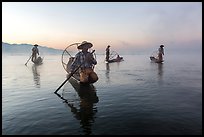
(26,48)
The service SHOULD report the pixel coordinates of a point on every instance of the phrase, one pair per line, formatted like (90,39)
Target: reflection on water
(160,70)
(107,72)
(133,103)
(36,75)
(84,108)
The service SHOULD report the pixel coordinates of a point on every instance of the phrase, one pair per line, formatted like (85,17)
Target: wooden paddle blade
(28,60)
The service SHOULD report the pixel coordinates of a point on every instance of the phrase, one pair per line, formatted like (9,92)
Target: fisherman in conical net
(84,57)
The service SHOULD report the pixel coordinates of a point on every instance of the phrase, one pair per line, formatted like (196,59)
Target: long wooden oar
(70,75)
(28,60)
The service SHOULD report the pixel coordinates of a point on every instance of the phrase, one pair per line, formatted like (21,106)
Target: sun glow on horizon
(122,25)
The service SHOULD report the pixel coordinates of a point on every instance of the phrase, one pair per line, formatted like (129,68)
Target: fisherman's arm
(91,59)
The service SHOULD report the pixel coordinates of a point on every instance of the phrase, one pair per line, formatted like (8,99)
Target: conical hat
(85,43)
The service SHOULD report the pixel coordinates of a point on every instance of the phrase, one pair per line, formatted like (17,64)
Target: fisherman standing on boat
(107,53)
(87,60)
(35,51)
(161,53)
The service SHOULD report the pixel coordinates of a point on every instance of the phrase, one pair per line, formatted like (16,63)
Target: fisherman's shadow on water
(83,108)
(36,75)
(107,72)
(111,66)
(160,71)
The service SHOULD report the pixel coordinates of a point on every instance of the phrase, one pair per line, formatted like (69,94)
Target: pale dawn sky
(123,25)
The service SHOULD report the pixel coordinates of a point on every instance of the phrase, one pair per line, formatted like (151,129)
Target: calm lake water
(133,97)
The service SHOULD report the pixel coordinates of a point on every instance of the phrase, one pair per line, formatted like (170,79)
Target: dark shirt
(35,50)
(107,53)
(80,58)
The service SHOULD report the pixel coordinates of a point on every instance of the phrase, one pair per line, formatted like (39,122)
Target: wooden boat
(87,91)
(153,59)
(115,60)
(87,94)
(38,61)
(114,57)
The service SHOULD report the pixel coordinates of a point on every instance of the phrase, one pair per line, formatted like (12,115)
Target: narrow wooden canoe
(114,57)
(115,60)
(155,60)
(84,90)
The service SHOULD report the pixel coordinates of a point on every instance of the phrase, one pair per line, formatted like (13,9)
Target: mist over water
(135,97)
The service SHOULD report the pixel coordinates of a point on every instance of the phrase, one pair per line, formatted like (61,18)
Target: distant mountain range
(26,48)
